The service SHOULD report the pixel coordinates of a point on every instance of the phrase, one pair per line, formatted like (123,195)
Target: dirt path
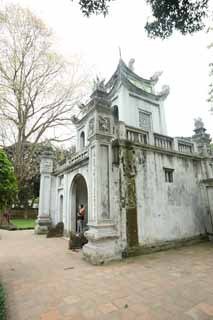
(46,281)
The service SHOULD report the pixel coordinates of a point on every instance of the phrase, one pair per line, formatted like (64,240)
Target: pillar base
(42,225)
(102,246)
(210,237)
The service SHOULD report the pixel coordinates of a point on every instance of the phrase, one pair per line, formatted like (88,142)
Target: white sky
(183,59)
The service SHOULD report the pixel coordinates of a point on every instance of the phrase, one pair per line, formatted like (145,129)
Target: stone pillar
(201,138)
(46,168)
(176,144)
(102,235)
(151,138)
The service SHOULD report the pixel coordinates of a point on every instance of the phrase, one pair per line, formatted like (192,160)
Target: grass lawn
(24,223)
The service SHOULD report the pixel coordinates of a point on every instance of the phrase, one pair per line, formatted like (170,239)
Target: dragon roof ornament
(156,76)
(131,64)
(99,84)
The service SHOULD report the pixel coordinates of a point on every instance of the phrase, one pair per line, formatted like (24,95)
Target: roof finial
(119,48)
(198,123)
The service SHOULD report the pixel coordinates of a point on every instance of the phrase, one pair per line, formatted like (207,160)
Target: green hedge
(2,304)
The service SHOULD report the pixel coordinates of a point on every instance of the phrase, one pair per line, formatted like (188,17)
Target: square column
(46,168)
(102,235)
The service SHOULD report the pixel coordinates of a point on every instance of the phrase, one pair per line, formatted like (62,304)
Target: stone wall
(168,210)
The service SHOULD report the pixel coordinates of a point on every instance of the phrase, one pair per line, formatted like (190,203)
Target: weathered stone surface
(43,224)
(8,226)
(77,241)
(164,245)
(102,246)
(56,231)
(101,253)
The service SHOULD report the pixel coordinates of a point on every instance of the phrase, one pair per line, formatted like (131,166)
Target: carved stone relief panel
(104,181)
(129,163)
(104,124)
(129,169)
(131,191)
(91,127)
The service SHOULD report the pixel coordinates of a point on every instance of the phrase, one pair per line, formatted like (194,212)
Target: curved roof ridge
(123,69)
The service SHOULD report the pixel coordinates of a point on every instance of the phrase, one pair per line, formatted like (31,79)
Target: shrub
(8,183)
(2,304)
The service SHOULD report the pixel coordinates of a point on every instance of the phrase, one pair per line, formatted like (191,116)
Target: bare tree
(38,89)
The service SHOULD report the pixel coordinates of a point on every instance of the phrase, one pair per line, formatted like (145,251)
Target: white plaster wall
(129,107)
(57,191)
(53,202)
(58,214)
(83,128)
(163,124)
(123,106)
(168,211)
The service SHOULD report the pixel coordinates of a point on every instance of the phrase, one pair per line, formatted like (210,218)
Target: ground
(46,281)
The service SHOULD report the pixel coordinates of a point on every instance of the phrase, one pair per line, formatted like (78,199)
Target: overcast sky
(183,59)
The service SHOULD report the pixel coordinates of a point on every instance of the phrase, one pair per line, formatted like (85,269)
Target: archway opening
(79,196)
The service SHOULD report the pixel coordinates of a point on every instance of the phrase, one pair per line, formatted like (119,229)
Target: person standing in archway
(80,219)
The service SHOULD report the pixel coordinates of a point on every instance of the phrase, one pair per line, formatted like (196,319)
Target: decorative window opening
(145,120)
(82,140)
(61,180)
(169,175)
(115,113)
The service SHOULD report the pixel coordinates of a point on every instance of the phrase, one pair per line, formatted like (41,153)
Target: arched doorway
(79,195)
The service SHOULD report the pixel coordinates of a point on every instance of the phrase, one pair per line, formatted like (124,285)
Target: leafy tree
(8,183)
(29,189)
(38,89)
(89,7)
(186,16)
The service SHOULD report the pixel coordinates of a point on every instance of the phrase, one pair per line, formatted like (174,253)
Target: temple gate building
(141,188)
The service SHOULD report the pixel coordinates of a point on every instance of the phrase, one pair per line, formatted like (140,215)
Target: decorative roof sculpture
(156,76)
(131,64)
(201,138)
(198,123)
(165,90)
(74,119)
(99,84)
